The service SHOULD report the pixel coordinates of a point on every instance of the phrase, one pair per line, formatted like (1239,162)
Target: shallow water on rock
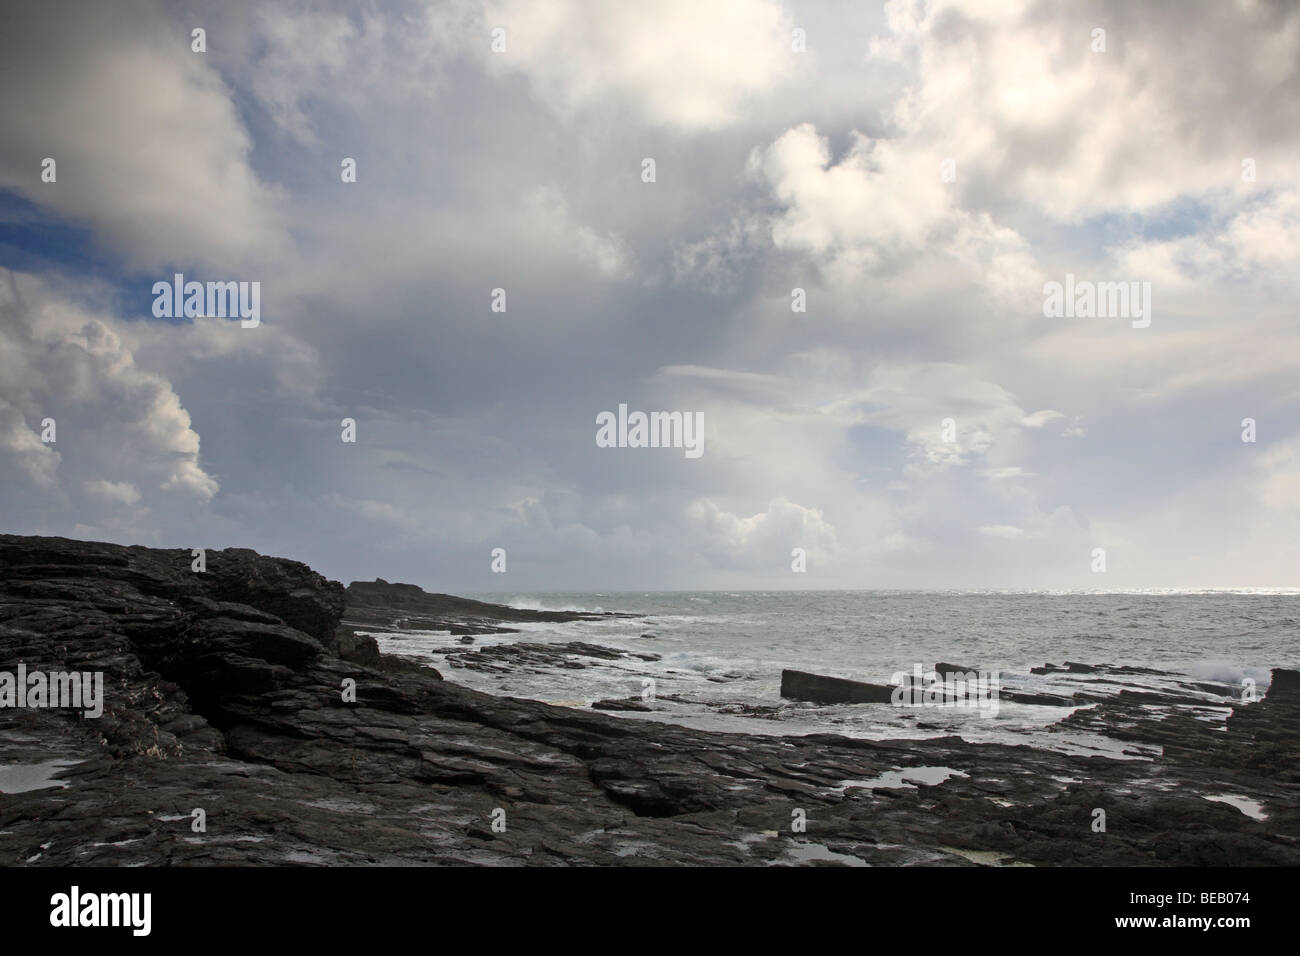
(906,778)
(1252,808)
(20,778)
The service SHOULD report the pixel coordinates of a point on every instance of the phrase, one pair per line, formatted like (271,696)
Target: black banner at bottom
(336,905)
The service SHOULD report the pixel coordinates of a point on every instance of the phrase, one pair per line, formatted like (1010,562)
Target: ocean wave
(533,604)
(1226,672)
(709,666)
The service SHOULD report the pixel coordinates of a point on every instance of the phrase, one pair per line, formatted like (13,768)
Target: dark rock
(798,685)
(384,606)
(630,703)
(1210,687)
(1025,697)
(945,669)
(351,646)
(525,655)
(1284,685)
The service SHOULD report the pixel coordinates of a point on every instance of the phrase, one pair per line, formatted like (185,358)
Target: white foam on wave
(706,666)
(1224,671)
(527,603)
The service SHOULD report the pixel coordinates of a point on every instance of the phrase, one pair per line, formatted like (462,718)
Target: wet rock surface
(379,606)
(798,685)
(506,658)
(225,692)
(820,689)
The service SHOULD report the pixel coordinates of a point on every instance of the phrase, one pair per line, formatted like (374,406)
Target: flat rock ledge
(819,689)
(224,691)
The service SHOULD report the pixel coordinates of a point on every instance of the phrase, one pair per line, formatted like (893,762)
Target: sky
(920,171)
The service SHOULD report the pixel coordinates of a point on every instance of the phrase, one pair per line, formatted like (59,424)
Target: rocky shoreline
(224,691)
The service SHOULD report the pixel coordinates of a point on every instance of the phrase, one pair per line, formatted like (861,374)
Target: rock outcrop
(380,605)
(798,685)
(820,689)
(229,692)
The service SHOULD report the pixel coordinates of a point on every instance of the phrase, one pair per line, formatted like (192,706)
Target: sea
(720,654)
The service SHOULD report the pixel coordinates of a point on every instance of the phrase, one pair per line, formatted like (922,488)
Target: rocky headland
(246,692)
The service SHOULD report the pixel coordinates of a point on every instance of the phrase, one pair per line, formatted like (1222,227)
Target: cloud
(1002,531)
(121,492)
(287,55)
(680,64)
(1259,242)
(1039,419)
(1028,108)
(822,171)
(21,446)
(1278,479)
(149,147)
(919,399)
(120,431)
(882,209)
(763,540)
(607,254)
